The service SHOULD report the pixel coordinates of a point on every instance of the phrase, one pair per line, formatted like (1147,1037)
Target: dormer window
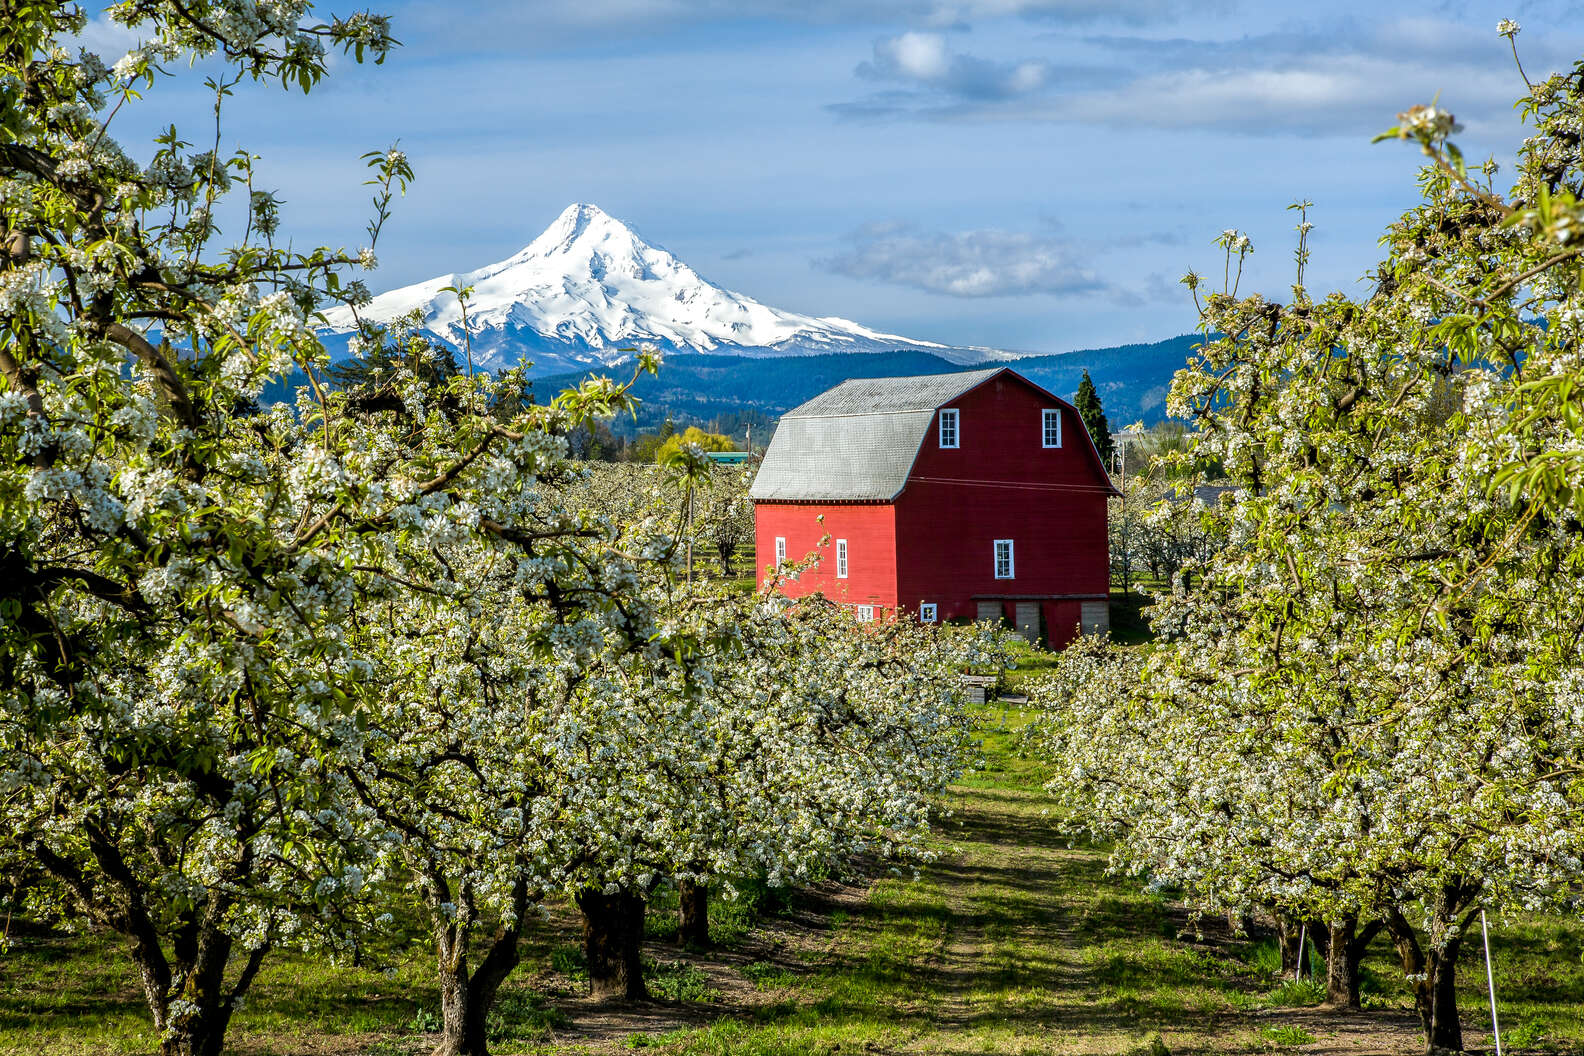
(948,427)
(1050,427)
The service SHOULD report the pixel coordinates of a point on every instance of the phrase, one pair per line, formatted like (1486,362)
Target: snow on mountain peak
(575,221)
(589,286)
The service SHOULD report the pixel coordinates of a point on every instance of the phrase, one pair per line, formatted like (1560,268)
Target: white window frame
(1011,567)
(949,414)
(1047,416)
(841,559)
(866,613)
(780,547)
(928,613)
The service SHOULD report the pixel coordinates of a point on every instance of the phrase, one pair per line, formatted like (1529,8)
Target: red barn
(976,495)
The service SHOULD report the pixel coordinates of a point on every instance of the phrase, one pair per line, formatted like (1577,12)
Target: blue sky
(1028,174)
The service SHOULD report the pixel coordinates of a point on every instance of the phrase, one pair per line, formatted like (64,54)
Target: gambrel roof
(927,392)
(857,442)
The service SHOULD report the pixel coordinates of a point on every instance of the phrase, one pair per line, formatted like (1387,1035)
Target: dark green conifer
(1088,403)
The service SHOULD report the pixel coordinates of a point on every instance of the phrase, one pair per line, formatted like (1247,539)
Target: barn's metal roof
(857,441)
(891,395)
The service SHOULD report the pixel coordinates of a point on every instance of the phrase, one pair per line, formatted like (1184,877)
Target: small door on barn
(1028,621)
(990,612)
(1095,617)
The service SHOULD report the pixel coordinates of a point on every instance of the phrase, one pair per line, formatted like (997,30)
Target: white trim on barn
(1004,566)
(950,428)
(1050,427)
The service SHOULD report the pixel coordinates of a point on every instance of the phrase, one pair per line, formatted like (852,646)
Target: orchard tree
(630,493)
(176,680)
(755,740)
(725,514)
(475,640)
(184,712)
(1371,709)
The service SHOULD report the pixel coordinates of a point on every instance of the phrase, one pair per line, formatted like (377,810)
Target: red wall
(1002,484)
(870,531)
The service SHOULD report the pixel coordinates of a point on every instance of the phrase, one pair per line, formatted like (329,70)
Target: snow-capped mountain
(589,287)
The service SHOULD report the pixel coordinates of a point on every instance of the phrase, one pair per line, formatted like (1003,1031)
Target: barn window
(1050,427)
(780,549)
(948,427)
(866,614)
(841,559)
(927,612)
(1003,559)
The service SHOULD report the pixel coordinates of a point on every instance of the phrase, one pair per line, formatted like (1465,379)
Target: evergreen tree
(1088,404)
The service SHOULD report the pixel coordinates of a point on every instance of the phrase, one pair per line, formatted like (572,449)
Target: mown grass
(1012,941)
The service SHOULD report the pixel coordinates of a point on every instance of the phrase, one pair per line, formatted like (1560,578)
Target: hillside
(1132,380)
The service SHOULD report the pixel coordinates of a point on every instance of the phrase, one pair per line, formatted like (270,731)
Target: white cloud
(984,263)
(919,55)
(1355,95)
(109,40)
(926,61)
(1342,78)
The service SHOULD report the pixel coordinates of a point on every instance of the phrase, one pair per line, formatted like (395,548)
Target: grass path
(1013,942)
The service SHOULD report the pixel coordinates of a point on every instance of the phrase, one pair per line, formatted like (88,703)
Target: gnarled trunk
(693,914)
(201,1031)
(1287,935)
(613,928)
(466,996)
(193,1019)
(1431,974)
(1345,945)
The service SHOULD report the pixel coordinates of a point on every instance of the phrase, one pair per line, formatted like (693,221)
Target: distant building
(976,495)
(728,458)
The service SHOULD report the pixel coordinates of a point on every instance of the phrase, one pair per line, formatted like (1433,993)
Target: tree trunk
(1345,948)
(193,1020)
(202,1032)
(461,1027)
(1287,932)
(191,1038)
(467,997)
(1436,999)
(613,928)
(693,914)
(1432,976)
